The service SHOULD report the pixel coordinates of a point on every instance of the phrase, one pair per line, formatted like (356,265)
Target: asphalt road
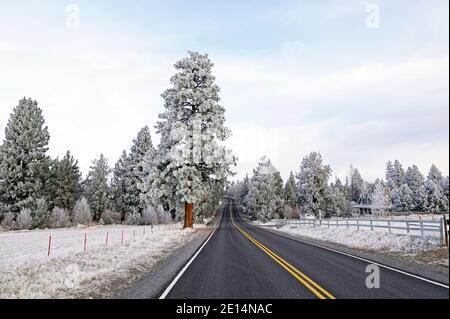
(241,261)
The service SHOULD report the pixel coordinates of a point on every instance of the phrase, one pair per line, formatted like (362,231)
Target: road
(241,261)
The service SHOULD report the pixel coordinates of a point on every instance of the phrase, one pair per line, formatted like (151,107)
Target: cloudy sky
(361,81)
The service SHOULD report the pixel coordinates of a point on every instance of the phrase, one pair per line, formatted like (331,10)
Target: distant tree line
(264,196)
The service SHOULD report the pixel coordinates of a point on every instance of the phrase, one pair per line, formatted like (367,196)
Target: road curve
(241,261)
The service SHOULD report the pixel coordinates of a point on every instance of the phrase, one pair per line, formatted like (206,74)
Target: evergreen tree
(402,199)
(414,178)
(437,202)
(338,204)
(394,175)
(421,199)
(96,187)
(263,198)
(24,165)
(120,184)
(312,184)
(190,158)
(66,178)
(435,175)
(289,194)
(356,184)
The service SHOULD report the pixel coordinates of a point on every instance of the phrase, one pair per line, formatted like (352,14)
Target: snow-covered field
(366,239)
(28,272)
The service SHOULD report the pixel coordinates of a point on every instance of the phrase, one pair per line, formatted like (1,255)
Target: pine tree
(289,194)
(338,204)
(189,157)
(312,184)
(263,198)
(437,202)
(120,184)
(402,199)
(66,178)
(356,184)
(394,175)
(414,178)
(435,175)
(96,187)
(24,165)
(421,199)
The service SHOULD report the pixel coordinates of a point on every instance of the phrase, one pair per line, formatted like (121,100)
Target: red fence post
(49,246)
(85,238)
(134,233)
(107,237)
(122,236)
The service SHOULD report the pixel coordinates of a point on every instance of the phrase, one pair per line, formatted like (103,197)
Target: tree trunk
(188,215)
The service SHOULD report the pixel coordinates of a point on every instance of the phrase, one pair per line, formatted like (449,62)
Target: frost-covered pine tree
(82,212)
(263,198)
(414,178)
(66,179)
(402,199)
(338,205)
(356,184)
(435,175)
(129,181)
(421,199)
(24,165)
(190,156)
(380,199)
(437,202)
(120,183)
(289,194)
(394,175)
(312,184)
(96,187)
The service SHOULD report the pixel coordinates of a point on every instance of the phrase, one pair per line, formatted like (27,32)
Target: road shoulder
(153,283)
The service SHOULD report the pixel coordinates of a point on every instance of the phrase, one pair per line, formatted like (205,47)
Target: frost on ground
(69,273)
(366,239)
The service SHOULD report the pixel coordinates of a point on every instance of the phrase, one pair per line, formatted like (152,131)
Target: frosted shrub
(150,216)
(163,216)
(109,217)
(82,212)
(24,219)
(133,219)
(8,221)
(59,218)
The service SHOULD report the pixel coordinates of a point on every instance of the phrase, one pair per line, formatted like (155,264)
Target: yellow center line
(305,280)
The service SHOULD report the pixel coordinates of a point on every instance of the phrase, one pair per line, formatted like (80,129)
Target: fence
(412,227)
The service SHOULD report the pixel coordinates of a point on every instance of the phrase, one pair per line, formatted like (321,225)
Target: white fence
(412,227)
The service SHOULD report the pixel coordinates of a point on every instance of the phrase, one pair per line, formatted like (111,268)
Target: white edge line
(174,281)
(352,256)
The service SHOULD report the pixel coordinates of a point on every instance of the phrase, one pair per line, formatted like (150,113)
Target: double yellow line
(305,280)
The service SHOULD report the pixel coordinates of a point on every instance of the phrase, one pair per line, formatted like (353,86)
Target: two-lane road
(243,261)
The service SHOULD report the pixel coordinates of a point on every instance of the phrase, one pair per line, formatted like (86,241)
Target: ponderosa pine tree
(66,179)
(189,157)
(394,175)
(96,187)
(356,184)
(120,183)
(24,165)
(312,184)
(414,178)
(435,175)
(289,194)
(263,199)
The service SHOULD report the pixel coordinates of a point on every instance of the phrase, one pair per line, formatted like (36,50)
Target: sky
(363,82)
